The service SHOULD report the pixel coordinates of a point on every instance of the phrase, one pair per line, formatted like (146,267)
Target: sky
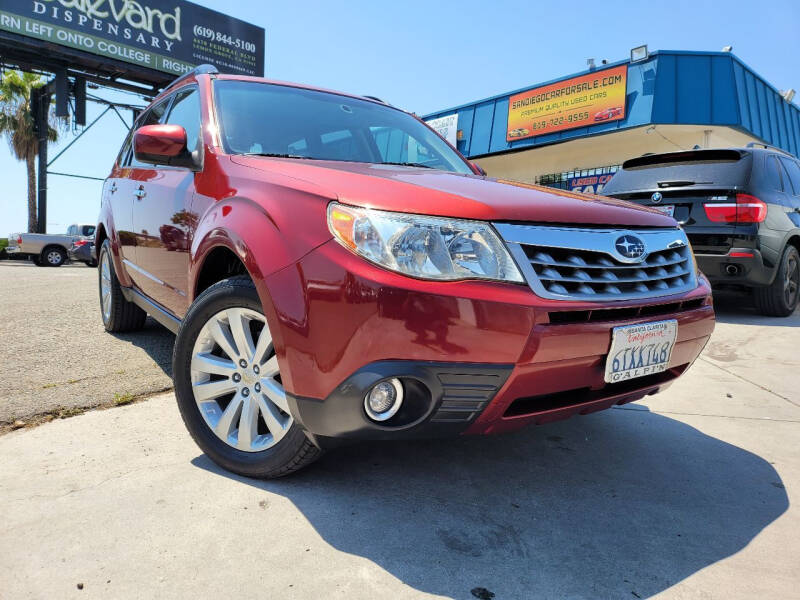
(427,56)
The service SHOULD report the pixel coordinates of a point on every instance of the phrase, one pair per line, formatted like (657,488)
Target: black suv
(740,208)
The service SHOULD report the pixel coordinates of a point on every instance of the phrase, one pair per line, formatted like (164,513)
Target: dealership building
(574,132)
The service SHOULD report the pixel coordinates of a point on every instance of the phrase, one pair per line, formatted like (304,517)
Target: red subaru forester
(335,270)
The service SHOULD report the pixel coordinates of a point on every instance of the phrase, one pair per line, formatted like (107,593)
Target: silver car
(47,250)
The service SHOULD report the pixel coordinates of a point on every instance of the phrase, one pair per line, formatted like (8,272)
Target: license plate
(640,350)
(667,209)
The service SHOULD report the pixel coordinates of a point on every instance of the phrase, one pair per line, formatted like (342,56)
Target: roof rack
(767,147)
(198,70)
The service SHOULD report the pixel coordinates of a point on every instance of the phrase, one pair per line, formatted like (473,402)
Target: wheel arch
(107,231)
(794,240)
(55,246)
(220,262)
(100,236)
(241,228)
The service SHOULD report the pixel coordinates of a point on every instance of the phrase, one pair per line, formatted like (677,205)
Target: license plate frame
(665,209)
(640,350)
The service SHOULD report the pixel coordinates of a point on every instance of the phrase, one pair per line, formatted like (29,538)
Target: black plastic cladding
(458,393)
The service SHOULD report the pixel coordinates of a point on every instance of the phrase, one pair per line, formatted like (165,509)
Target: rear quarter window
(793,172)
(773,172)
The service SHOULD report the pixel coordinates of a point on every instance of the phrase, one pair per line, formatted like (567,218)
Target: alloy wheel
(105,287)
(236,381)
(791,283)
(54,257)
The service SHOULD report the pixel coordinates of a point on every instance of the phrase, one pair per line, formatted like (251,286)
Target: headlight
(421,246)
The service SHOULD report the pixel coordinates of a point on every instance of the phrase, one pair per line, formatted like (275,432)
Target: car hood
(439,193)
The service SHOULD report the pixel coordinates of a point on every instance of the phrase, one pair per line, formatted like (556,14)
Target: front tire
(229,389)
(118,314)
(781,298)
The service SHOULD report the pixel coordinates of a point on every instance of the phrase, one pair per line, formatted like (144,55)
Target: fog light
(384,400)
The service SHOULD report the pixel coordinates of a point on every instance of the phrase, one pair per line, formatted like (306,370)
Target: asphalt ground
(57,358)
(689,494)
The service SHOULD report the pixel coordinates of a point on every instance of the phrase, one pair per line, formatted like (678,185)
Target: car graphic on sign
(608,113)
(518,132)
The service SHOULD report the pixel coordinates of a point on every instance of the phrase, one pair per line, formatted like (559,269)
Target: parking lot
(688,494)
(57,357)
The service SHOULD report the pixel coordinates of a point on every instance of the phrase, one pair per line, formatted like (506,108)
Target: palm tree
(16,122)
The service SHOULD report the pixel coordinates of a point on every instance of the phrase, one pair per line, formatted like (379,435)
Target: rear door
(163,215)
(681,183)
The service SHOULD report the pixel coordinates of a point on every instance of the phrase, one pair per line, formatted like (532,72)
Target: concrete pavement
(690,494)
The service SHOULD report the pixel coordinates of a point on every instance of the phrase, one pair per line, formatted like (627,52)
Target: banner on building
(598,97)
(447,127)
(170,36)
(590,184)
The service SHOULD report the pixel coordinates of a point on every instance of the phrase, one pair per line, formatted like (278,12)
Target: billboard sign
(447,127)
(170,36)
(598,97)
(590,184)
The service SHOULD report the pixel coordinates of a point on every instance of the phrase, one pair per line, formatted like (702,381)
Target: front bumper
(491,356)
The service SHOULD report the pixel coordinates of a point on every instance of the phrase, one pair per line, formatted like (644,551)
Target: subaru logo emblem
(657,197)
(630,247)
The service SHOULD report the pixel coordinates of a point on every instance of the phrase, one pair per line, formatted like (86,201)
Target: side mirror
(162,145)
(478,169)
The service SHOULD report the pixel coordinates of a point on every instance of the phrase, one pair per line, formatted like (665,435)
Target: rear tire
(117,313)
(781,298)
(230,394)
(53,256)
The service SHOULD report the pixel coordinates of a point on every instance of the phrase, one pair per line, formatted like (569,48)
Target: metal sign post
(137,47)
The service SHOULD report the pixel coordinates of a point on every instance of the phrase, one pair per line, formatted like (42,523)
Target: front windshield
(278,120)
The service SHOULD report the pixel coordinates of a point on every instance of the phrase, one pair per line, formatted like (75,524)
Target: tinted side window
(185,112)
(88,231)
(793,171)
(774,179)
(151,117)
(124,153)
(71,230)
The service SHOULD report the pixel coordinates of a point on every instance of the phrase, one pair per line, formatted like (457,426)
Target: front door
(162,214)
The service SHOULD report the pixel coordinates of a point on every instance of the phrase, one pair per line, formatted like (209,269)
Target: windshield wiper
(277,155)
(408,164)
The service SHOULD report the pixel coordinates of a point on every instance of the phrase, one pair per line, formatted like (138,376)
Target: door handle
(113,187)
(140,193)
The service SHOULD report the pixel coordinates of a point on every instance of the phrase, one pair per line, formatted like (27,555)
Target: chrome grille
(586,264)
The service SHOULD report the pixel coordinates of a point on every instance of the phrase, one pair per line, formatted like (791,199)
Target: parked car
(608,113)
(740,208)
(518,132)
(47,250)
(83,251)
(337,288)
